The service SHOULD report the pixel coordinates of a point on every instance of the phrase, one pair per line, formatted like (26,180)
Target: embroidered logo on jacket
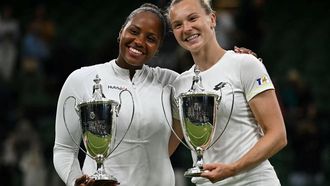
(263,80)
(117,87)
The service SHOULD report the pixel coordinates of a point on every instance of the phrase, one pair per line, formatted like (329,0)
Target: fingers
(209,166)
(242,50)
(205,174)
(90,182)
(80,180)
(236,49)
(84,181)
(209,175)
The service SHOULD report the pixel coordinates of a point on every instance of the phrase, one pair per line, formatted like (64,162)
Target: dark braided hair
(153,9)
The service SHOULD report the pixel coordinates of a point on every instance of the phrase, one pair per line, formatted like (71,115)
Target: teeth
(192,37)
(135,51)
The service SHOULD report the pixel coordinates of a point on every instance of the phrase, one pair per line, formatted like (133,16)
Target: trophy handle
(66,125)
(117,113)
(177,105)
(219,87)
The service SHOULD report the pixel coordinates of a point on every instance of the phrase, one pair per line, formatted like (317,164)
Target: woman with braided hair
(142,158)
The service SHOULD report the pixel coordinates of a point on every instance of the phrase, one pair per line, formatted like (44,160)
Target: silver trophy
(98,120)
(198,118)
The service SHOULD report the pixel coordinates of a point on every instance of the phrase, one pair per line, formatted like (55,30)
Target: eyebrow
(148,32)
(188,16)
(175,22)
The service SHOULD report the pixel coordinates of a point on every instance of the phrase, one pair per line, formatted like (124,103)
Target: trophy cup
(198,119)
(98,120)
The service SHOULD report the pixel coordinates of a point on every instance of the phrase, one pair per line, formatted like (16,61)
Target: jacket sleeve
(65,154)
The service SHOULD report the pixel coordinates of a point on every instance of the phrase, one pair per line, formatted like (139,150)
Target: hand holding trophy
(198,118)
(98,120)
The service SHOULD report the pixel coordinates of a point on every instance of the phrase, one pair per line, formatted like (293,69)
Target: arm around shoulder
(174,138)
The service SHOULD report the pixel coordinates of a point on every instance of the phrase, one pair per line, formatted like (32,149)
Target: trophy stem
(100,175)
(200,160)
(198,168)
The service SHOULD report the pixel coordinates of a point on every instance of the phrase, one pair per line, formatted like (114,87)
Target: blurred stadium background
(41,42)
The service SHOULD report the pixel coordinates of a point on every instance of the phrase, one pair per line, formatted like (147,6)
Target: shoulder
(248,60)
(83,73)
(241,58)
(184,76)
(165,71)
(163,74)
(244,63)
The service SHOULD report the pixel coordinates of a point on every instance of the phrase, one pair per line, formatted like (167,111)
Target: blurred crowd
(28,91)
(35,60)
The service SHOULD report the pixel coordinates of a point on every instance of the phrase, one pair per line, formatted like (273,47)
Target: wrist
(235,168)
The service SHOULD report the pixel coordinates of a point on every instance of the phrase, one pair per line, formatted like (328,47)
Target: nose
(186,26)
(139,40)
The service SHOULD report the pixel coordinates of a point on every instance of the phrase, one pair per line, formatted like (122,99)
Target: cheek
(122,48)
(176,34)
(153,48)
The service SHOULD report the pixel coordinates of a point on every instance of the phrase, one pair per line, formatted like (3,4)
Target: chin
(135,62)
(136,65)
(192,49)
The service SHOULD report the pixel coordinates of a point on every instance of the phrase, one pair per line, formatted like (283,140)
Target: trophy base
(102,179)
(193,172)
(105,183)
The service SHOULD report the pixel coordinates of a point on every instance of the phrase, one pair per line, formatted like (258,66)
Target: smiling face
(140,39)
(192,27)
